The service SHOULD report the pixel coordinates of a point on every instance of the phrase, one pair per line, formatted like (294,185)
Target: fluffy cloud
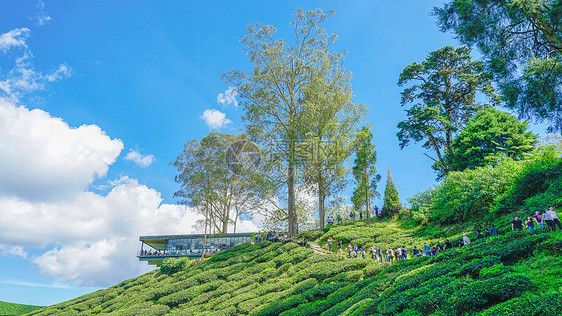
(139,159)
(42,158)
(228,97)
(14,38)
(81,236)
(215,119)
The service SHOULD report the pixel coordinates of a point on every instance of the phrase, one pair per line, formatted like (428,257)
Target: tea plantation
(517,273)
(16,309)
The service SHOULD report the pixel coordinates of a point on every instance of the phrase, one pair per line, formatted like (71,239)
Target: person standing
(465,239)
(390,254)
(373,251)
(439,247)
(516,224)
(355,250)
(340,245)
(330,240)
(380,254)
(398,253)
(555,220)
(448,244)
(404,252)
(362,252)
(538,219)
(376,211)
(547,220)
(349,250)
(530,223)
(339,219)
(493,231)
(415,252)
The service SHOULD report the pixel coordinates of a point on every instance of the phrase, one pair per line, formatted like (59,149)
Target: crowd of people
(547,220)
(352,217)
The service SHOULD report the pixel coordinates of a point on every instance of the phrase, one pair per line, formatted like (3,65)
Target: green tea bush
(171,265)
(480,294)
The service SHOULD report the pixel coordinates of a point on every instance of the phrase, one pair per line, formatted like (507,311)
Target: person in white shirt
(555,220)
(465,239)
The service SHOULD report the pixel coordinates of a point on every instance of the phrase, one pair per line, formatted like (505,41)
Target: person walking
(339,219)
(373,251)
(404,252)
(493,231)
(362,252)
(439,247)
(380,254)
(398,253)
(330,244)
(555,220)
(349,250)
(355,250)
(426,249)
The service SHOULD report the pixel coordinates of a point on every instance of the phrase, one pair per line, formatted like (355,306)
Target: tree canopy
(522,44)
(391,200)
(441,92)
(488,137)
(365,172)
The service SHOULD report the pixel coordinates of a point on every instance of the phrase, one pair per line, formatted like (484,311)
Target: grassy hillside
(16,309)
(510,274)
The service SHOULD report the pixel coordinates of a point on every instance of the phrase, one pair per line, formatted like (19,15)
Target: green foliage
(171,265)
(364,171)
(487,138)
(521,42)
(442,92)
(391,199)
(16,309)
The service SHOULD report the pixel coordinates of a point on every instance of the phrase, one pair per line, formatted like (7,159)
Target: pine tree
(391,200)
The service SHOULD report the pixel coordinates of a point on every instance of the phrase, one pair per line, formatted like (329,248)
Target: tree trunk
(367,199)
(321,210)
(291,189)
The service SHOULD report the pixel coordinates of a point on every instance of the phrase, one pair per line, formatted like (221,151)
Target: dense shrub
(171,265)
(479,294)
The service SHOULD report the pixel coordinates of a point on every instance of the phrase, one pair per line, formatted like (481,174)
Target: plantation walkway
(317,249)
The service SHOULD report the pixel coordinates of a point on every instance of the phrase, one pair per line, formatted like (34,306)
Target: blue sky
(93,80)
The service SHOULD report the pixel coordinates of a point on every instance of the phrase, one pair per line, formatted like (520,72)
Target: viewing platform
(154,249)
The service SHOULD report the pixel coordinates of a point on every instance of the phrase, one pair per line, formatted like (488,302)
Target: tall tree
(522,44)
(490,135)
(274,94)
(213,183)
(391,200)
(364,171)
(442,92)
(329,141)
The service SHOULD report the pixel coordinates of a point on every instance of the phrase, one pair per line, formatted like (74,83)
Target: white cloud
(45,169)
(215,119)
(23,78)
(12,251)
(42,158)
(14,38)
(228,97)
(139,159)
